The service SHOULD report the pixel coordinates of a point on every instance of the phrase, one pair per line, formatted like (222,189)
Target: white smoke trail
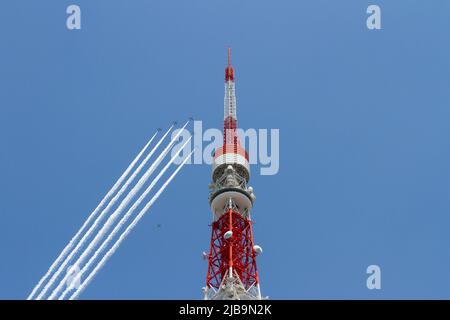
(93,214)
(123,220)
(122,237)
(112,218)
(101,216)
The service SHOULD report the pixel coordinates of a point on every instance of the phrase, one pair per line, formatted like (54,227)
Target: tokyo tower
(232,273)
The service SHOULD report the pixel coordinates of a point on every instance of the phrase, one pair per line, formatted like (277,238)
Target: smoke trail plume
(101,216)
(122,237)
(88,221)
(124,219)
(112,218)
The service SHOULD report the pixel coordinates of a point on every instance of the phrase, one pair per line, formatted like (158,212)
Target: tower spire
(229,71)
(229,116)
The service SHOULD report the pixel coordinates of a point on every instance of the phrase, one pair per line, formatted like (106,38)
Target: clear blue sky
(364,125)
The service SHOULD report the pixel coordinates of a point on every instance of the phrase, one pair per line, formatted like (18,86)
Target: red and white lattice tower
(232,272)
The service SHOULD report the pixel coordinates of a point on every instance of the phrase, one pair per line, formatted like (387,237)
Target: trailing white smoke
(88,221)
(100,217)
(123,220)
(112,218)
(122,237)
